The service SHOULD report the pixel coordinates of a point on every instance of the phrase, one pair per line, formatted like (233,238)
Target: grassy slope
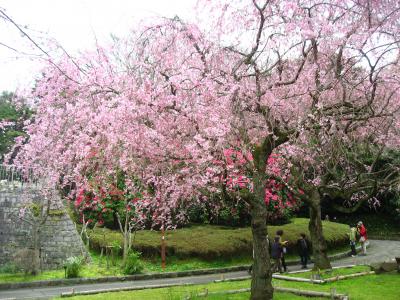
(210,242)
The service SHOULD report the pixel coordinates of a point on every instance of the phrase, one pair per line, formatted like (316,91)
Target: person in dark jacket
(303,247)
(276,255)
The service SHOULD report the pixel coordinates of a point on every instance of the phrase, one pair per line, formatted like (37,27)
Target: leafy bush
(73,265)
(233,214)
(9,112)
(9,268)
(133,264)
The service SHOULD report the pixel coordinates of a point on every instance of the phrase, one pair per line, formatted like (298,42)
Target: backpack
(303,244)
(276,251)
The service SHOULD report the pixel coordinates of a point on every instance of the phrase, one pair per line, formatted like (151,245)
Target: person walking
(276,255)
(362,231)
(353,238)
(303,247)
(283,244)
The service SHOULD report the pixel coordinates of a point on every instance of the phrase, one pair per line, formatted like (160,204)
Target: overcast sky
(74,24)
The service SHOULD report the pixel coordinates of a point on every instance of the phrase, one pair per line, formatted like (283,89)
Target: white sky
(74,24)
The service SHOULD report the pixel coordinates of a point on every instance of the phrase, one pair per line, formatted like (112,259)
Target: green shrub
(9,268)
(133,264)
(72,266)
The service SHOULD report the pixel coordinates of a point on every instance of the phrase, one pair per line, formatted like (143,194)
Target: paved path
(377,252)
(50,292)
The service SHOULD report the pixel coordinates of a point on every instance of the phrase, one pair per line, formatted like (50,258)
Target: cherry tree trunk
(35,268)
(321,260)
(126,236)
(261,281)
(125,233)
(125,249)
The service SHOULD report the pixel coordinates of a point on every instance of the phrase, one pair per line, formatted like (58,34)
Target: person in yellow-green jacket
(284,245)
(353,239)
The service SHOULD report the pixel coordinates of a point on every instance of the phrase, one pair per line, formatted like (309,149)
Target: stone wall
(58,236)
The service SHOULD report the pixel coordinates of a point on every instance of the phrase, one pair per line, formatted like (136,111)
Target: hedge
(210,242)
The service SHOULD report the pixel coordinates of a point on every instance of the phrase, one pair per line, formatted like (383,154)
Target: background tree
(361,115)
(12,118)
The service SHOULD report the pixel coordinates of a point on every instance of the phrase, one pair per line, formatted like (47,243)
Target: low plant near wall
(72,266)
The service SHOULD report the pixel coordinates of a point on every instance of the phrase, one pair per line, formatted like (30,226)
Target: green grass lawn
(174,295)
(246,296)
(179,293)
(333,273)
(98,267)
(369,287)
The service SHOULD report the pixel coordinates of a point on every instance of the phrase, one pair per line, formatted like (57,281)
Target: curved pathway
(377,252)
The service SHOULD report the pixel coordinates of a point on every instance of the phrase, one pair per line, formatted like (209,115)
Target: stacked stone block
(58,236)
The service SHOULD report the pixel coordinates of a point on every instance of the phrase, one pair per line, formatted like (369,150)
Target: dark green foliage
(390,196)
(390,203)
(72,266)
(385,215)
(10,113)
(377,176)
(7,139)
(9,268)
(7,110)
(133,264)
(379,225)
(233,213)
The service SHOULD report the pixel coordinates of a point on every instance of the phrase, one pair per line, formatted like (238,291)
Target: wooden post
(101,256)
(108,257)
(162,247)
(333,293)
